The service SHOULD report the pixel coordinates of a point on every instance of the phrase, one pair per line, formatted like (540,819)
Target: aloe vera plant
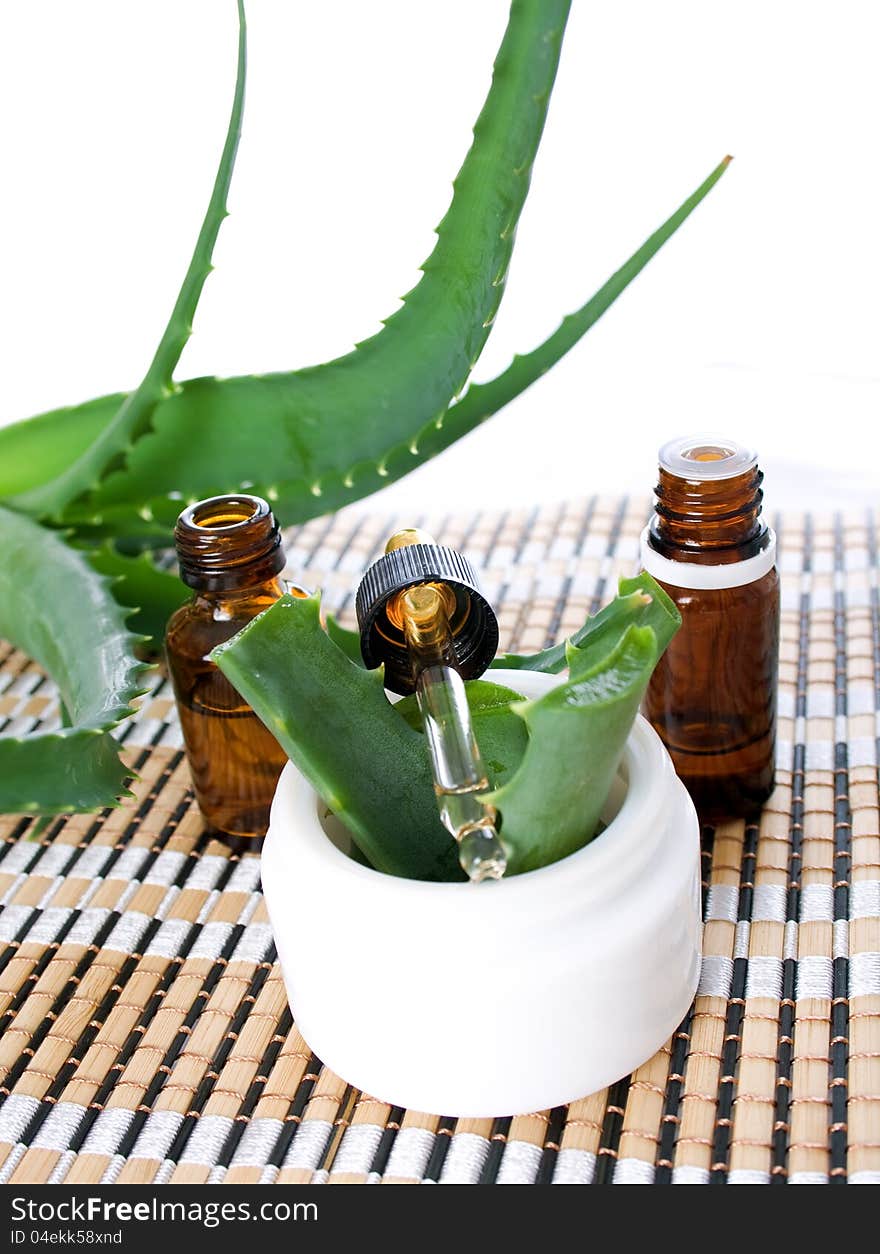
(551,761)
(106,478)
(78,766)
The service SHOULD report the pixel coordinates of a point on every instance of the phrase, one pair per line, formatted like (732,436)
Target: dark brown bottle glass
(230,554)
(712,697)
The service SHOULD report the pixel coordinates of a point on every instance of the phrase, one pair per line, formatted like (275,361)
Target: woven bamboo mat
(146,1033)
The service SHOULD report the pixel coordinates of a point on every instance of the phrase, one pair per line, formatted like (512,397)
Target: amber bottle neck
(228,544)
(708,520)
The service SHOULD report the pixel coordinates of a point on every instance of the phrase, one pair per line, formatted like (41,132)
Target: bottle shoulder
(204,622)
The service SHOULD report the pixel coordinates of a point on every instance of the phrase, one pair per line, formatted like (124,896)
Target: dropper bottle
(231,557)
(712,696)
(421,614)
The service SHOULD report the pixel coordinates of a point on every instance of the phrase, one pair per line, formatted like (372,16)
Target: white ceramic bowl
(504,998)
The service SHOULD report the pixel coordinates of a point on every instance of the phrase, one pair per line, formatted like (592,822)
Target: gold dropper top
(423,611)
(406,536)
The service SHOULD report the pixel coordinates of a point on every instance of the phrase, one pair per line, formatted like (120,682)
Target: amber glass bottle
(230,554)
(712,697)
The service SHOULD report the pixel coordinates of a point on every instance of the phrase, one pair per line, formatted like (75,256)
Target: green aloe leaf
(331,422)
(640,602)
(577,732)
(348,641)
(153,594)
(551,761)
(55,606)
(333,720)
(34,450)
(133,417)
(482,400)
(138,505)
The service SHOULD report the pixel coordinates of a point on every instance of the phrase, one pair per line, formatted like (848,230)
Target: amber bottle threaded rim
(708,501)
(704,457)
(226,543)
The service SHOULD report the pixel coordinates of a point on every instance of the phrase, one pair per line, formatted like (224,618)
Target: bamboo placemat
(146,1032)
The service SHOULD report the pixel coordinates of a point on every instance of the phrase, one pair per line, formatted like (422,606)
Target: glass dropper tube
(458,771)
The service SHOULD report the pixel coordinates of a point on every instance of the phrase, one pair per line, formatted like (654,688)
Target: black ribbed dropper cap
(473,624)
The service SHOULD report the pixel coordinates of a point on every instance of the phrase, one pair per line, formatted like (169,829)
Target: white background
(759,319)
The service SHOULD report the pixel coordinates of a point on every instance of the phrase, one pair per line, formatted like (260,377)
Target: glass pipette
(422,615)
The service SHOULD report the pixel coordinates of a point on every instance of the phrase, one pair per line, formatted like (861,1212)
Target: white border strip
(689,575)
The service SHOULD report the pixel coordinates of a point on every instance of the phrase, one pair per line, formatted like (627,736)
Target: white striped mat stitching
(108,1131)
(688,1174)
(815,976)
(127,932)
(807,1177)
(255,942)
(245,877)
(92,861)
(357,1149)
(206,871)
(167,866)
(864,902)
(51,862)
(764,977)
(113,1170)
(816,903)
(61,1168)
(257,1142)
(60,1126)
(164,1172)
(169,939)
(308,1144)
(410,1153)
(13,889)
(748,1175)
(13,1158)
(574,1166)
(46,923)
(12,920)
(15,1115)
(87,926)
(633,1171)
(157,1135)
(464,1158)
(210,941)
(21,855)
(716,976)
(722,902)
(49,920)
(520,1163)
(205,1142)
(128,864)
(864,974)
